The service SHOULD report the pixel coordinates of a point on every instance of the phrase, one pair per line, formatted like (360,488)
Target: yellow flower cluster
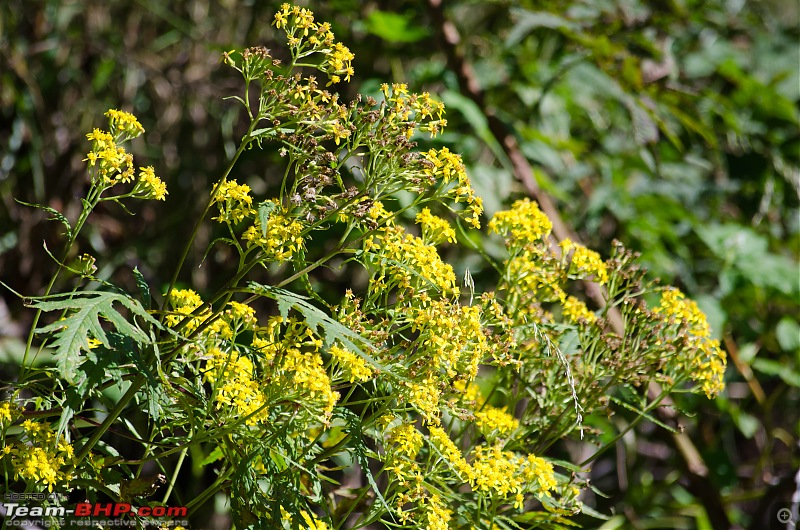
(301,369)
(585,262)
(355,366)
(576,311)
(234,202)
(305,36)
(495,471)
(406,110)
(109,159)
(42,461)
(527,275)
(184,302)
(123,123)
(149,186)
(452,337)
(309,373)
(448,167)
(435,230)
(540,470)
(489,419)
(111,164)
(702,358)
(450,452)
(437,517)
(236,385)
(8,413)
(505,473)
(339,63)
(424,396)
(409,262)
(241,316)
(407,439)
(492,419)
(283,237)
(524,223)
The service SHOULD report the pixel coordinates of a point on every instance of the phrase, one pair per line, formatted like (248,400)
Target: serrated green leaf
(360,449)
(84,311)
(57,216)
(144,289)
(331,330)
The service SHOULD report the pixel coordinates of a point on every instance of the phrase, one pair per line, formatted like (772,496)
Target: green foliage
(84,312)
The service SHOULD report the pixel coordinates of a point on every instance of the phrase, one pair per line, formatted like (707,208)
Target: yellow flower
(585,262)
(435,229)
(491,419)
(407,439)
(702,358)
(40,462)
(576,311)
(124,122)
(410,262)
(356,366)
(436,514)
(8,413)
(312,522)
(448,167)
(450,452)
(523,224)
(234,202)
(149,185)
(236,386)
(283,238)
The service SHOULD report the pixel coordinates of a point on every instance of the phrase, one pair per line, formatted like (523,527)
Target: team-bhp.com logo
(19,512)
(119,509)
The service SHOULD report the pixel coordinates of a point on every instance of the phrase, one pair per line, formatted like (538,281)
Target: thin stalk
(245,142)
(655,403)
(174,478)
(88,207)
(126,398)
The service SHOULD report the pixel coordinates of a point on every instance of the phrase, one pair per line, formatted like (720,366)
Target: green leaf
(144,289)
(332,331)
(84,313)
(527,21)
(360,449)
(394,27)
(57,216)
(265,209)
(212,457)
(478,122)
(788,334)
(769,367)
(748,252)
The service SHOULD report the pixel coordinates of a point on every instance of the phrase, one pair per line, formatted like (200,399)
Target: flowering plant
(411,400)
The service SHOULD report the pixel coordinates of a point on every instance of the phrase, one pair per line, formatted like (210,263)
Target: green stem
(177,470)
(655,403)
(92,200)
(245,142)
(126,398)
(210,491)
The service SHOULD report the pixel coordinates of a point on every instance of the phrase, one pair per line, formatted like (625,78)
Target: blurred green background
(670,125)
